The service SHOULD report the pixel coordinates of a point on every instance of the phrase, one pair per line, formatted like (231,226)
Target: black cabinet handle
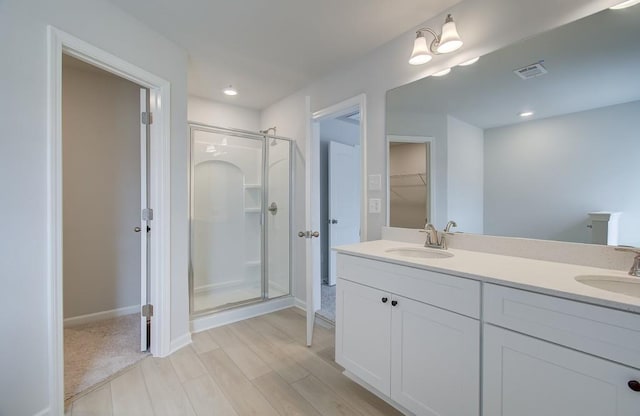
(634,385)
(385,299)
(394,302)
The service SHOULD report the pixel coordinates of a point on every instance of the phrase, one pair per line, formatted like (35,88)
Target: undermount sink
(629,286)
(421,253)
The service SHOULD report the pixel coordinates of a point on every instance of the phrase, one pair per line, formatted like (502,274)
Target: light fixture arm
(436,38)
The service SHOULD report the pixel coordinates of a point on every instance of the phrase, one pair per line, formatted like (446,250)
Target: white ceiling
(270,49)
(593,62)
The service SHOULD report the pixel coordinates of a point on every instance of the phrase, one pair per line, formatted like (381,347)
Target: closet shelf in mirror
(410,179)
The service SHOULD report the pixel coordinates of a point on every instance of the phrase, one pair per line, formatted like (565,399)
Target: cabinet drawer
(600,331)
(444,291)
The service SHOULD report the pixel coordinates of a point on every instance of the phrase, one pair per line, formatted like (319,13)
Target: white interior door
(312,220)
(344,199)
(144,222)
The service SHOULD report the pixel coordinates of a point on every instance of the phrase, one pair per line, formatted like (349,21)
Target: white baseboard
(180,342)
(99,316)
(230,316)
(300,304)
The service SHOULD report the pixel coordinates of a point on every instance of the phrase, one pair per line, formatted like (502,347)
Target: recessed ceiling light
(526,114)
(470,61)
(230,91)
(442,73)
(625,4)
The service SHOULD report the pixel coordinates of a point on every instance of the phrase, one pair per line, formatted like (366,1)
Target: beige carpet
(94,352)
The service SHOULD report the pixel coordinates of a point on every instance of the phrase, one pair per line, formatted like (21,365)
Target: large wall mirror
(534,137)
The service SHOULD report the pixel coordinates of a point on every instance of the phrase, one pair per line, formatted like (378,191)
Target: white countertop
(557,279)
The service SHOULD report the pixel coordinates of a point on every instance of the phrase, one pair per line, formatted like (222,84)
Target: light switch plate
(375,182)
(374,205)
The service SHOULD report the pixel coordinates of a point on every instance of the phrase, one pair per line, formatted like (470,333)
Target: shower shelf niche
(252,198)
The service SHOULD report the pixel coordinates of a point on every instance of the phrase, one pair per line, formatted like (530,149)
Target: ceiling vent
(531,71)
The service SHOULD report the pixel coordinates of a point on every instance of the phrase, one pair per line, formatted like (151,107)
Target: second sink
(629,286)
(422,253)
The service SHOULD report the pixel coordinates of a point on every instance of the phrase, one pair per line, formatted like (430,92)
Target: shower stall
(240,218)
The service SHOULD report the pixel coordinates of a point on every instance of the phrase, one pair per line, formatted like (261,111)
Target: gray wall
(543,177)
(465,148)
(101,185)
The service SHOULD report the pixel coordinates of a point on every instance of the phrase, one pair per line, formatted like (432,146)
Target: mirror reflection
(540,139)
(409,182)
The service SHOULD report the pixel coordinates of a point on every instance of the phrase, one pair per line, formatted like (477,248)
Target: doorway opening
(104,234)
(411,181)
(156,306)
(347,211)
(339,197)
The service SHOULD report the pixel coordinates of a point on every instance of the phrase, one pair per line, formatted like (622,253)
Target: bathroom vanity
(460,332)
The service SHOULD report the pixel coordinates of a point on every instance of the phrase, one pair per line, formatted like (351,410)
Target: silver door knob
(137,229)
(302,234)
(315,234)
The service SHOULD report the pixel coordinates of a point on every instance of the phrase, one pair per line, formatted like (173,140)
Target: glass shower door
(278,247)
(226,227)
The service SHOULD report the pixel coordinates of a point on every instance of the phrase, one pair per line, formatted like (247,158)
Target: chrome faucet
(432,235)
(450,224)
(635,267)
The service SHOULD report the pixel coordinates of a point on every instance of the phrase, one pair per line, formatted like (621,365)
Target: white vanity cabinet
(586,364)
(363,333)
(415,336)
(423,357)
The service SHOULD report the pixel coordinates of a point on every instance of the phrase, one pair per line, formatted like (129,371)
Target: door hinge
(147,118)
(147,214)
(147,310)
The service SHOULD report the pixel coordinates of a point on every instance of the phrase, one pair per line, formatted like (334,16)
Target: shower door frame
(264,250)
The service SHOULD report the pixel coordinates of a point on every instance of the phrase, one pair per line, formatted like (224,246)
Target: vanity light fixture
(448,41)
(526,114)
(470,61)
(230,91)
(625,4)
(441,73)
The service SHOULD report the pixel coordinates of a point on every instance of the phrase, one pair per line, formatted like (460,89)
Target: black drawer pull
(394,302)
(385,299)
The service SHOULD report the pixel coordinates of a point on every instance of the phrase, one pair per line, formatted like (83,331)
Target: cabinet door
(524,376)
(363,326)
(435,360)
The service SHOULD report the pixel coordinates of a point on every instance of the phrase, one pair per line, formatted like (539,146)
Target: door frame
(59,42)
(313,254)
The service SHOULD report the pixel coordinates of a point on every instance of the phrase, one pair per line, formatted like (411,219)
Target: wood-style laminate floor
(260,366)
